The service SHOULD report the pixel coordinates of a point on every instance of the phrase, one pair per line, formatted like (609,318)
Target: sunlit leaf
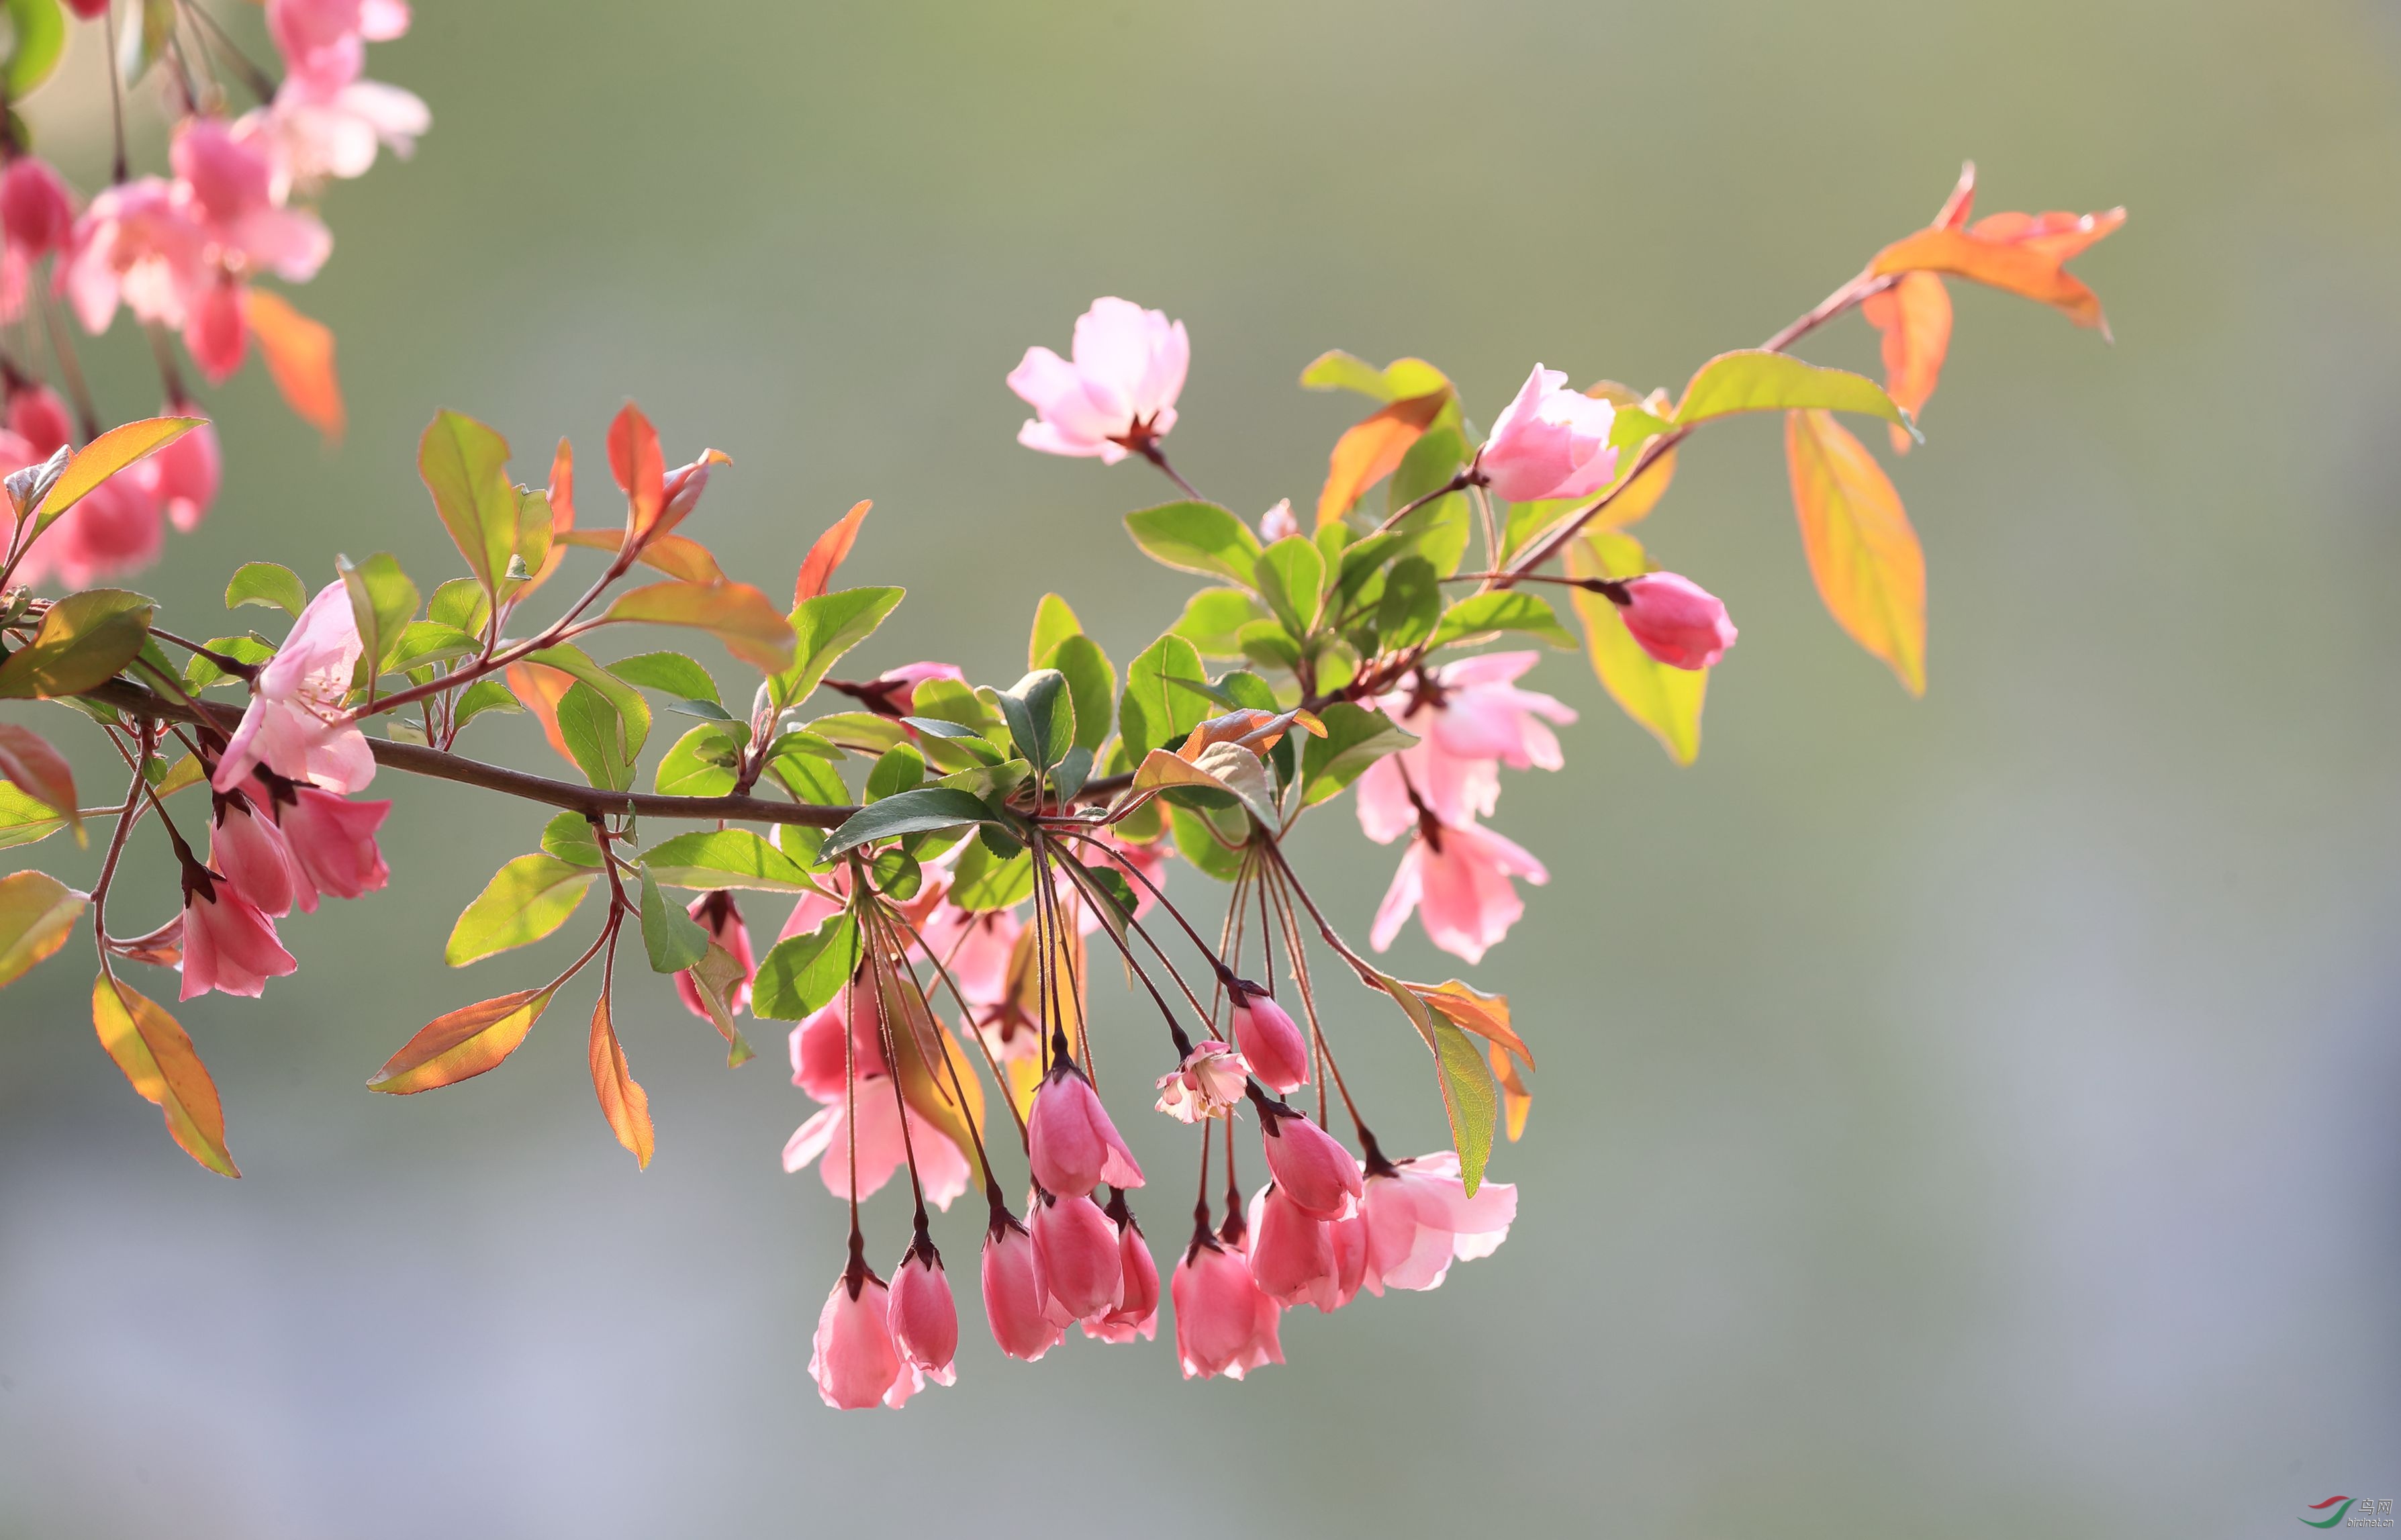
(708,859)
(673,940)
(1667,701)
(634,711)
(103,458)
(1197,537)
(382,600)
(1091,685)
(635,462)
(918,811)
(1472,1010)
(150,1046)
(27,759)
(677,555)
(669,673)
(1337,370)
(1517,1098)
(1506,609)
(525,901)
(268,583)
(37,912)
(461,1045)
(464,466)
(593,731)
(569,837)
(736,614)
(1467,1091)
(827,554)
(936,1080)
(1754,380)
(299,354)
(38,40)
(1213,618)
(1290,575)
(702,763)
(622,1101)
(1915,318)
(2017,252)
(1863,552)
(802,974)
(25,820)
(1053,624)
(824,627)
(1370,450)
(1355,738)
(84,640)
(1153,710)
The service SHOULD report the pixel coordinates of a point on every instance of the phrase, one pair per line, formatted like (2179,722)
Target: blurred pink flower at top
(36,211)
(1420,1219)
(231,183)
(1470,718)
(296,724)
(186,473)
(1456,877)
(973,946)
(321,127)
(1121,386)
(1551,442)
(325,39)
(852,1356)
(140,244)
(1677,620)
(819,1069)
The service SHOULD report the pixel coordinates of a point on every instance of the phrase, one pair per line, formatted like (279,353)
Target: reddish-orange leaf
(562,516)
(299,354)
(1863,552)
(817,572)
(2021,254)
(539,687)
(641,474)
(1516,1100)
(622,1101)
(1370,450)
(1914,316)
(735,614)
(462,1044)
(676,555)
(1470,1011)
(29,761)
(151,1047)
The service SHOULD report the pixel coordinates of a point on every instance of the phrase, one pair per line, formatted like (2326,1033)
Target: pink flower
(333,843)
(1549,442)
(1311,1166)
(817,1068)
(36,208)
(139,243)
(1277,522)
(924,1318)
(1137,1310)
(1420,1219)
(229,183)
(1012,1299)
(1351,1247)
(250,851)
(852,1358)
(296,724)
(325,39)
(1210,1081)
(1675,620)
(1273,1045)
(1224,1325)
(1456,877)
(1470,718)
(116,528)
(1070,1141)
(1121,388)
(186,473)
(1077,1266)
(37,415)
(1292,1253)
(719,916)
(229,946)
(974,947)
(319,128)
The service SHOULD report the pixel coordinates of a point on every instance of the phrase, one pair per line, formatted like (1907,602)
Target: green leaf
(632,710)
(1197,537)
(39,39)
(1198,842)
(84,640)
(1291,576)
(1665,700)
(268,583)
(25,820)
(1041,716)
(1053,624)
(525,901)
(595,735)
(1268,645)
(1412,604)
(674,940)
(1212,618)
(825,627)
(1751,380)
(708,859)
(701,763)
(1075,767)
(480,697)
(569,837)
(37,911)
(464,465)
(1355,738)
(1404,378)
(982,880)
(1153,710)
(898,769)
(670,673)
(199,672)
(1510,609)
(910,813)
(1091,683)
(801,975)
(799,762)
(424,643)
(1468,1095)
(895,873)
(462,603)
(1442,526)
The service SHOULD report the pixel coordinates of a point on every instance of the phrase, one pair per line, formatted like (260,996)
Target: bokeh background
(1969,1117)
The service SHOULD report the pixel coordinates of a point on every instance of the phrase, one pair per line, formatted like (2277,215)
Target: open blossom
(229,182)
(1137,1310)
(1120,386)
(251,851)
(1420,1219)
(228,945)
(924,1318)
(296,724)
(1470,718)
(1292,1253)
(1224,1325)
(1456,879)
(140,244)
(1207,1084)
(722,921)
(37,211)
(1310,1165)
(1012,1296)
(825,1137)
(1676,620)
(1549,442)
(851,1356)
(1078,1269)
(326,126)
(332,844)
(1272,1042)
(1070,1141)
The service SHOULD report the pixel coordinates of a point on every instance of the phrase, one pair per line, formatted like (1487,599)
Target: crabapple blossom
(1470,718)
(36,211)
(1549,442)
(1420,1219)
(1272,1042)
(1137,1310)
(1206,1084)
(1676,620)
(1278,523)
(852,1356)
(1117,393)
(924,1318)
(137,243)
(332,844)
(1456,877)
(1314,1171)
(116,528)
(37,415)
(1224,1324)
(252,853)
(1071,1143)
(816,1046)
(1012,1294)
(186,473)
(296,724)
(1077,1259)
(1292,1253)
(228,945)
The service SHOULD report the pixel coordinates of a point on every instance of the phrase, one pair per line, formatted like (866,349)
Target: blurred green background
(1973,1117)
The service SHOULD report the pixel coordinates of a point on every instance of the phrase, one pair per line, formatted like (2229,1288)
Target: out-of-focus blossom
(924,1318)
(851,1356)
(1278,523)
(185,474)
(36,211)
(321,128)
(296,724)
(1309,1166)
(1676,620)
(1273,1043)
(228,945)
(722,921)
(116,527)
(1012,1299)
(1070,1141)
(1420,1219)
(817,1068)
(141,244)
(324,40)
(1207,1084)
(1077,1268)
(1119,391)
(1224,1324)
(1549,442)
(37,415)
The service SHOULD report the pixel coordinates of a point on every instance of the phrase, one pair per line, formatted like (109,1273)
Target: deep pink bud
(1137,1310)
(722,921)
(331,840)
(1070,1141)
(188,470)
(1271,1043)
(251,853)
(213,330)
(1223,1324)
(1292,1253)
(1012,1301)
(924,1318)
(89,9)
(1311,1168)
(1075,1258)
(1675,620)
(37,415)
(1549,442)
(34,208)
(229,946)
(852,1358)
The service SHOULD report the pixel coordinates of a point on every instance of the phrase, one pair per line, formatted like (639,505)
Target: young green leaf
(1041,715)
(461,603)
(1212,617)
(632,710)
(1291,576)
(103,458)
(1510,609)
(464,465)
(1751,380)
(668,672)
(268,583)
(982,880)
(672,938)
(1153,710)
(84,640)
(1053,624)
(1412,604)
(1355,738)
(801,975)
(569,837)
(422,644)
(525,901)
(701,763)
(708,859)
(917,812)
(595,734)
(1466,1081)
(825,627)
(23,820)
(480,697)
(1091,683)
(898,769)
(1197,537)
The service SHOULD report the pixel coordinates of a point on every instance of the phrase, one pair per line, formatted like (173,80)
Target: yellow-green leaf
(1667,701)
(526,900)
(36,913)
(28,760)
(82,641)
(1754,380)
(1466,1082)
(1863,552)
(150,1046)
(104,457)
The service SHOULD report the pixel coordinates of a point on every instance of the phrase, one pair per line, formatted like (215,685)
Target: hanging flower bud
(229,946)
(1137,1310)
(1224,1325)
(251,853)
(1208,1085)
(1419,1219)
(1272,1045)
(924,1318)
(1075,1258)
(1012,1299)
(332,844)
(1070,1141)
(187,471)
(852,1358)
(1677,620)
(36,209)
(1292,1253)
(1311,1168)
(37,415)
(1549,442)
(718,916)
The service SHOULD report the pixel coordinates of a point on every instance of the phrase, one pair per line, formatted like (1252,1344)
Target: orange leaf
(104,457)
(1914,316)
(622,1101)
(29,761)
(151,1047)
(633,460)
(299,354)
(817,572)
(1472,1011)
(1370,450)
(562,515)
(2021,254)
(1863,552)
(677,555)
(539,687)
(735,614)
(462,1044)
(1516,1100)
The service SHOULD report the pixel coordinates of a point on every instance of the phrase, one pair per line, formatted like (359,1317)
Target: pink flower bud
(1013,1300)
(1137,1310)
(1419,1219)
(1677,620)
(852,1358)
(1312,1168)
(331,840)
(229,946)
(215,332)
(1075,1258)
(1351,1251)
(1271,1043)
(924,1318)
(37,415)
(1208,1085)
(1071,1142)
(187,471)
(1292,1253)
(722,921)
(34,206)
(1224,1325)
(1277,522)
(1127,369)
(116,528)
(251,853)
(1549,442)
